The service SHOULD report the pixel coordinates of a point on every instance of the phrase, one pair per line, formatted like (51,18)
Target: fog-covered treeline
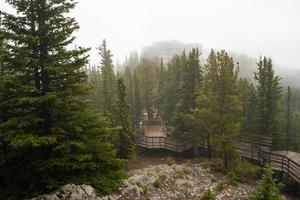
(180,90)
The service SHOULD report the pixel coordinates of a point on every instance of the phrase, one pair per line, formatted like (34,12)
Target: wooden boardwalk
(154,136)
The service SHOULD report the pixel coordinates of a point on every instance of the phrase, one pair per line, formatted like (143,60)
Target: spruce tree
(219,107)
(146,74)
(248,96)
(108,79)
(137,101)
(170,90)
(267,188)
(187,97)
(128,81)
(269,93)
(288,118)
(48,137)
(125,141)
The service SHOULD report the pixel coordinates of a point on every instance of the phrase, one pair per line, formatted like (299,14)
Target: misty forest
(173,121)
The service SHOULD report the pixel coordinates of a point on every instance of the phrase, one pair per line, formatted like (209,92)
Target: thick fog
(252,27)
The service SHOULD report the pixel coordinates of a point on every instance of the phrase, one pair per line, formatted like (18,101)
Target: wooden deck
(289,154)
(287,162)
(154,131)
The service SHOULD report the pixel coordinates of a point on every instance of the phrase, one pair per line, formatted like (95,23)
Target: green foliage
(267,188)
(221,186)
(208,194)
(232,179)
(218,105)
(269,92)
(169,161)
(125,140)
(248,98)
(137,102)
(48,136)
(108,79)
(244,170)
(156,183)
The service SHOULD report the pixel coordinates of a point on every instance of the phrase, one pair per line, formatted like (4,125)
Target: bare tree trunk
(196,150)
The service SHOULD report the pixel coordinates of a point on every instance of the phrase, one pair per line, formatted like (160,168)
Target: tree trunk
(208,146)
(196,150)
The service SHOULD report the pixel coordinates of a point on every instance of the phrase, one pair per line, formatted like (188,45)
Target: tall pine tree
(137,100)
(108,79)
(187,97)
(125,141)
(288,118)
(269,93)
(48,137)
(219,107)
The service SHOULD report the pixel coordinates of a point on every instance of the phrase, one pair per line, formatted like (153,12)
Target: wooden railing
(282,163)
(163,143)
(254,152)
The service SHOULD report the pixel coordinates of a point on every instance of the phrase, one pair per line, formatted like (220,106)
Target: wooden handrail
(277,161)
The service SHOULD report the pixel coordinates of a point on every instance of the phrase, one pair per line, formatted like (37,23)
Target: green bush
(169,161)
(232,179)
(186,170)
(267,188)
(216,165)
(244,170)
(156,184)
(145,189)
(180,174)
(221,186)
(208,194)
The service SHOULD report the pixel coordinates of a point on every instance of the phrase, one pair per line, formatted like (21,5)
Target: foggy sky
(254,27)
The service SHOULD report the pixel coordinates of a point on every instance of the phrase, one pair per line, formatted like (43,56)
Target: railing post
(152,145)
(160,142)
(288,169)
(252,152)
(282,160)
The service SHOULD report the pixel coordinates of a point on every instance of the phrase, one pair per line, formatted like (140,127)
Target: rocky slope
(160,182)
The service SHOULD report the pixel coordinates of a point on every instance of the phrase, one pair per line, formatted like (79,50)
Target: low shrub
(232,179)
(208,194)
(221,186)
(169,161)
(156,184)
(244,170)
(216,165)
(186,170)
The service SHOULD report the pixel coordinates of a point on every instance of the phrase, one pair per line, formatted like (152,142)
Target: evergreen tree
(161,77)
(219,108)
(171,89)
(48,137)
(187,97)
(288,118)
(202,116)
(267,188)
(108,79)
(137,102)
(96,82)
(248,97)
(147,81)
(1,48)
(269,93)
(125,141)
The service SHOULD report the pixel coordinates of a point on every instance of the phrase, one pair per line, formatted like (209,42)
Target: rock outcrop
(161,182)
(71,192)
